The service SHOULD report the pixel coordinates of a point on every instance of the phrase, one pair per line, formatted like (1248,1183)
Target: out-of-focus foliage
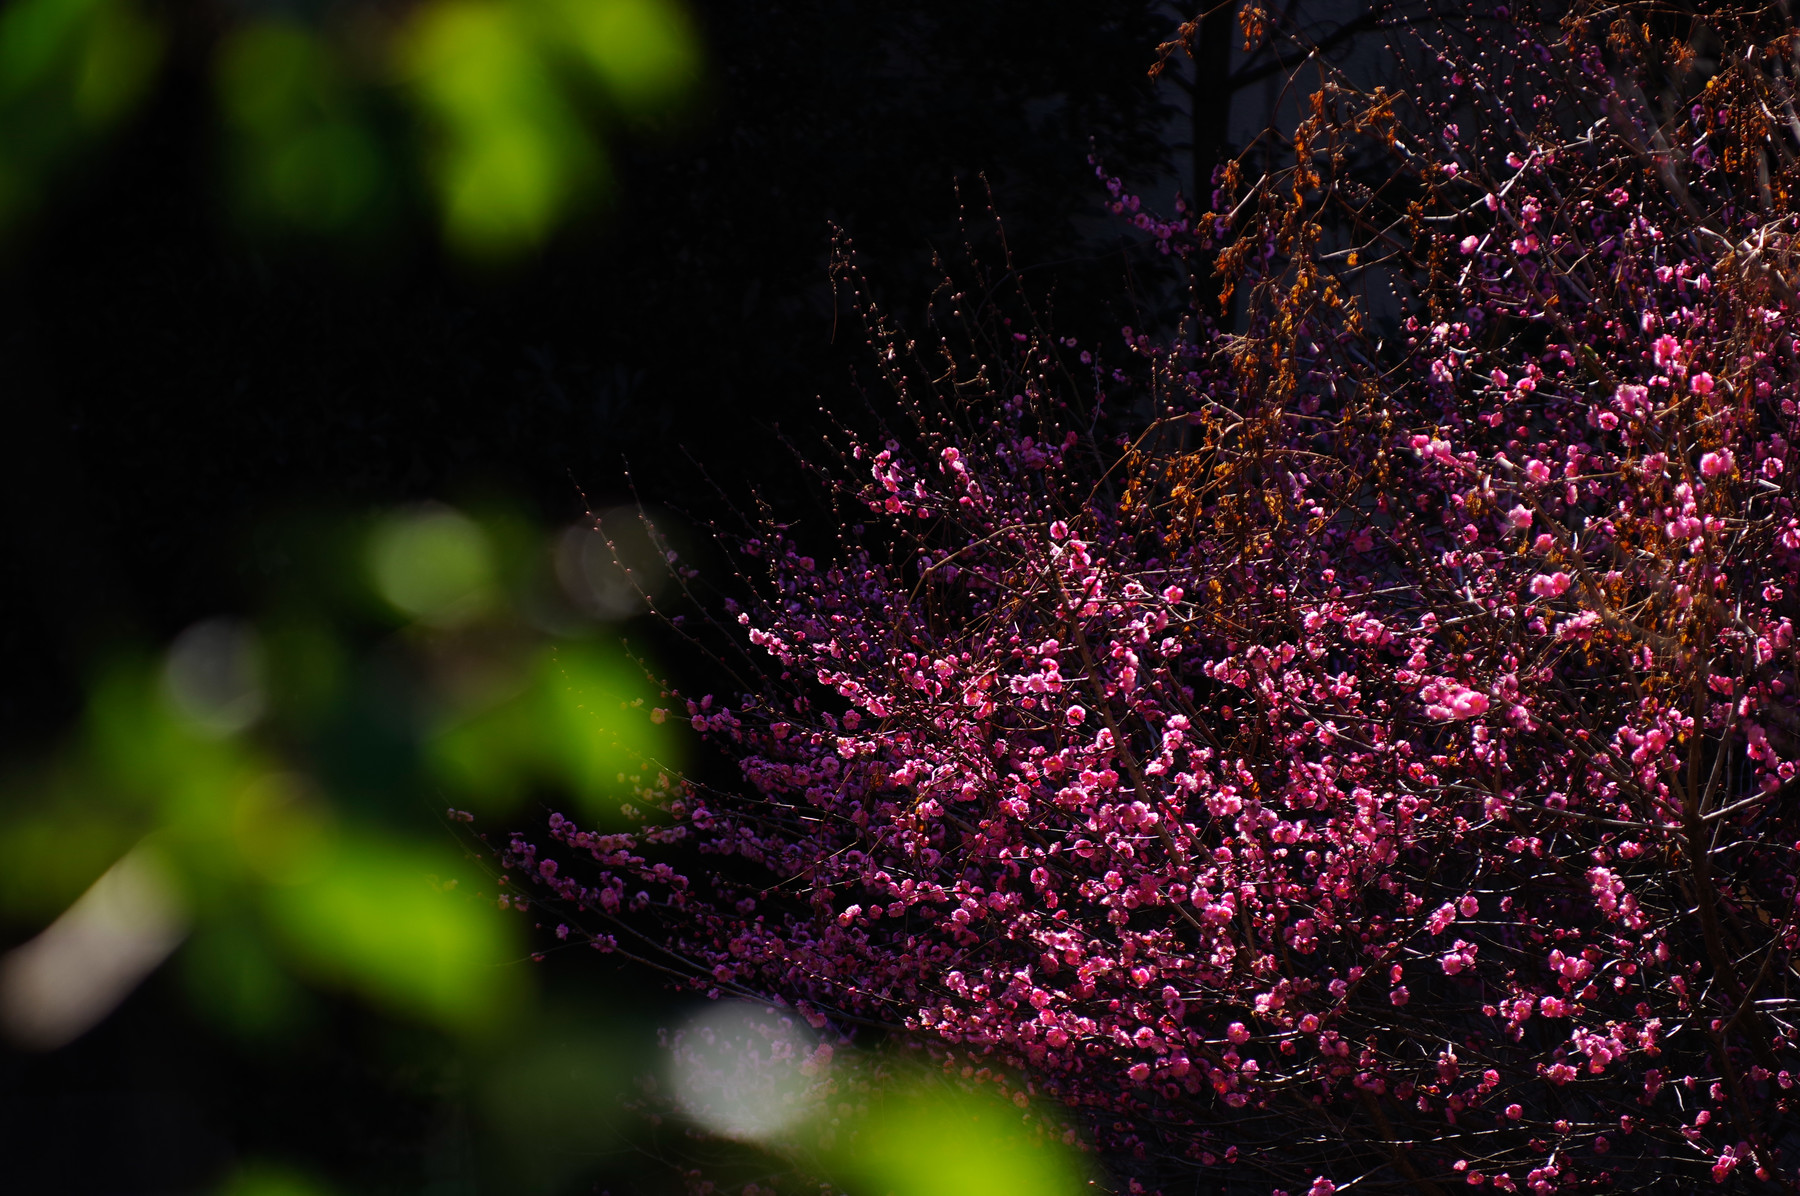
(261,1179)
(498,108)
(302,152)
(501,86)
(554,730)
(327,895)
(69,69)
(276,791)
(931,1140)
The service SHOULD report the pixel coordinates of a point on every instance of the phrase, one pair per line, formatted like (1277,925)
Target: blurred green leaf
(302,152)
(510,154)
(115,63)
(68,69)
(583,724)
(232,976)
(932,1139)
(379,922)
(643,51)
(264,1179)
(603,724)
(503,95)
(284,832)
(148,755)
(273,75)
(37,37)
(85,59)
(59,832)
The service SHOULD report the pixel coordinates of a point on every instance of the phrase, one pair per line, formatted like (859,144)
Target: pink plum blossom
(1550,585)
(1304,791)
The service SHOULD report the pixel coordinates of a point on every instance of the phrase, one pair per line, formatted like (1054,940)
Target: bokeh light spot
(213,676)
(434,564)
(612,567)
(745,1070)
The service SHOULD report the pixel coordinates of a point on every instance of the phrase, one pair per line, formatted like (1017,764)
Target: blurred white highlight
(214,676)
(748,1071)
(433,563)
(610,566)
(59,985)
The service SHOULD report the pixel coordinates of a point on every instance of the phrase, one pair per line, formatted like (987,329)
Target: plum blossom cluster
(1367,754)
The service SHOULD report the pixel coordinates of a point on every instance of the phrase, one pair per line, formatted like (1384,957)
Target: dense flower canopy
(1350,739)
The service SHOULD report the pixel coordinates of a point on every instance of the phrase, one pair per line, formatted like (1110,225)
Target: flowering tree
(1354,746)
